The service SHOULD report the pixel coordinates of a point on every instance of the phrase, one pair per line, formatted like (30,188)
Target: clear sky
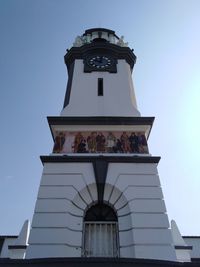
(35,34)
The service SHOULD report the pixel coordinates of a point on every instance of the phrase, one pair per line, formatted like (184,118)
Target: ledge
(94,262)
(109,159)
(61,120)
(17,246)
(183,247)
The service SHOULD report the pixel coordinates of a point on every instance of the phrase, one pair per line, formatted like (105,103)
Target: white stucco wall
(134,190)
(67,189)
(195,243)
(7,242)
(118,98)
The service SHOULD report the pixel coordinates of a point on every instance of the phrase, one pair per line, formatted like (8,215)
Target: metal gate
(100,239)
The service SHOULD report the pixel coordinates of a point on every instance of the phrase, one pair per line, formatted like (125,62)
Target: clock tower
(100,193)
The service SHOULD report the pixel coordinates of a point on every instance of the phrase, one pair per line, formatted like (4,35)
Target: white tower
(100,194)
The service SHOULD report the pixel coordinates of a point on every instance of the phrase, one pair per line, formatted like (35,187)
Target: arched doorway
(100,232)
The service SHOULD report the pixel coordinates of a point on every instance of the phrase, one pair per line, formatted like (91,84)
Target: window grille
(100,239)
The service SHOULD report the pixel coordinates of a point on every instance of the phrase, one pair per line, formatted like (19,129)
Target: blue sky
(166,40)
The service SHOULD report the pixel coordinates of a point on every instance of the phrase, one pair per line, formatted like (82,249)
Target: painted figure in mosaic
(82,147)
(118,147)
(77,140)
(134,143)
(91,141)
(111,139)
(59,142)
(125,142)
(100,139)
(69,142)
(143,143)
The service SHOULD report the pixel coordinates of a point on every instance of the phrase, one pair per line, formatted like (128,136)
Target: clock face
(100,62)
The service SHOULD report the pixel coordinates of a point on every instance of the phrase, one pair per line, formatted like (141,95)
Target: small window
(100,232)
(100,86)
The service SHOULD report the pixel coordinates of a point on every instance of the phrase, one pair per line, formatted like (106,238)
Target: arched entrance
(100,232)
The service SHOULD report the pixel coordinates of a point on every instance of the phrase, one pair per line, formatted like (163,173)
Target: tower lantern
(100,193)
(99,68)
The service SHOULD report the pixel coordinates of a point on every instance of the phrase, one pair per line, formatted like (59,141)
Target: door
(100,239)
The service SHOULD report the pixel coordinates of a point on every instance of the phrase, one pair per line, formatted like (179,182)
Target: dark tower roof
(89,31)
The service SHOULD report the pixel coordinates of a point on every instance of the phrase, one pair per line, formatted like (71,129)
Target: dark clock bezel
(106,58)
(89,68)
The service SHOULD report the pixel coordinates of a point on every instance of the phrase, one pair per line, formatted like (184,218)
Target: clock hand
(99,59)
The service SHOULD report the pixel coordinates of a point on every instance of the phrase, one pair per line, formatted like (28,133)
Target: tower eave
(56,122)
(109,159)
(89,31)
(117,51)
